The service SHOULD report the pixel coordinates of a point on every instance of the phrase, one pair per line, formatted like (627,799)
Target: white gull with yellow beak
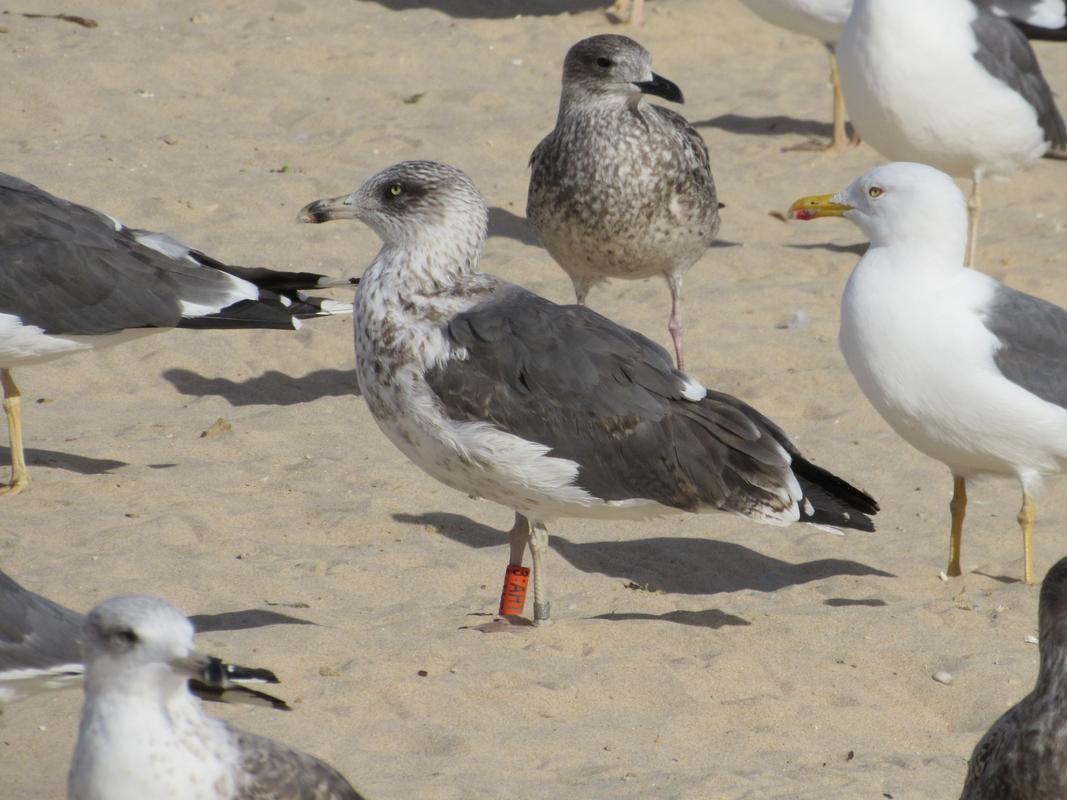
(967,370)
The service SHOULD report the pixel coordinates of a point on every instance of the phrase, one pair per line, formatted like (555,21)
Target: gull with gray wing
(967,370)
(72,279)
(950,84)
(622,188)
(143,735)
(553,411)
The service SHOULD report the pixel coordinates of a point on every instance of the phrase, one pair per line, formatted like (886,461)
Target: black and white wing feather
(39,647)
(69,269)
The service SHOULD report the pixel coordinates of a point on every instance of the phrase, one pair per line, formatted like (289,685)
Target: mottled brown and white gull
(622,188)
(550,410)
(1023,755)
(143,735)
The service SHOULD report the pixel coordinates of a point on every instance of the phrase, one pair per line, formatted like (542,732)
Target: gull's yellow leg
(20,477)
(974,205)
(958,507)
(1027,515)
(840,140)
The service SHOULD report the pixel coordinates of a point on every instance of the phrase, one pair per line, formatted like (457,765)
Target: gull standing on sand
(967,370)
(553,411)
(40,650)
(1023,756)
(72,279)
(950,84)
(622,188)
(143,735)
(822,21)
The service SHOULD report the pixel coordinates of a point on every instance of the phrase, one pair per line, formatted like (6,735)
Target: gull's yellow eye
(395,190)
(876,192)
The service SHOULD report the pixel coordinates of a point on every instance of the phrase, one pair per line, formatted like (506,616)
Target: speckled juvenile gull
(1023,756)
(553,411)
(948,84)
(40,650)
(143,735)
(622,188)
(72,279)
(967,370)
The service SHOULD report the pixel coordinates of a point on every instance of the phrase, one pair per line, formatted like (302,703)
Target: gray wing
(271,771)
(1033,342)
(611,400)
(38,638)
(1006,54)
(67,269)
(71,270)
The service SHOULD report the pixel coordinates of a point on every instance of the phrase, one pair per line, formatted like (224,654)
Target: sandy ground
(695,657)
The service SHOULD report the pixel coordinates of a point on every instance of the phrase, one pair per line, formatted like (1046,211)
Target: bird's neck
(428,267)
(152,684)
(580,103)
(1052,672)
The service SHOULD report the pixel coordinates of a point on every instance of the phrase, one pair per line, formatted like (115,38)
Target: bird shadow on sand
(711,618)
(71,462)
(272,388)
(243,620)
(504,223)
(674,564)
(495,9)
(855,249)
(767,126)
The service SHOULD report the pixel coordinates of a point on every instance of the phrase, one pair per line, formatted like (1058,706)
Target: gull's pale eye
(875,192)
(603,62)
(396,189)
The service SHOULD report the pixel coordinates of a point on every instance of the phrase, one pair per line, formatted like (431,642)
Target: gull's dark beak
(325,210)
(661,87)
(213,679)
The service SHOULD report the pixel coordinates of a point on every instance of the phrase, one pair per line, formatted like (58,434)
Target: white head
(421,205)
(139,642)
(899,205)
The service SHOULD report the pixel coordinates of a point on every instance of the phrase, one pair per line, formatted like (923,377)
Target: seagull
(40,650)
(74,278)
(950,84)
(142,734)
(622,188)
(967,370)
(550,410)
(1023,756)
(822,21)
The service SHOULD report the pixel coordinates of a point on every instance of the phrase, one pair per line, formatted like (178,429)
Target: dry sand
(752,662)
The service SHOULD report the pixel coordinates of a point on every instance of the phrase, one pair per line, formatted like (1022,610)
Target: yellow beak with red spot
(819,205)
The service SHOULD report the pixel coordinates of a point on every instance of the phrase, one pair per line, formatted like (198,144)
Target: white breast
(924,359)
(916,93)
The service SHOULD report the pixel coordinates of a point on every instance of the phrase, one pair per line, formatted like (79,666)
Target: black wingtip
(831,500)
